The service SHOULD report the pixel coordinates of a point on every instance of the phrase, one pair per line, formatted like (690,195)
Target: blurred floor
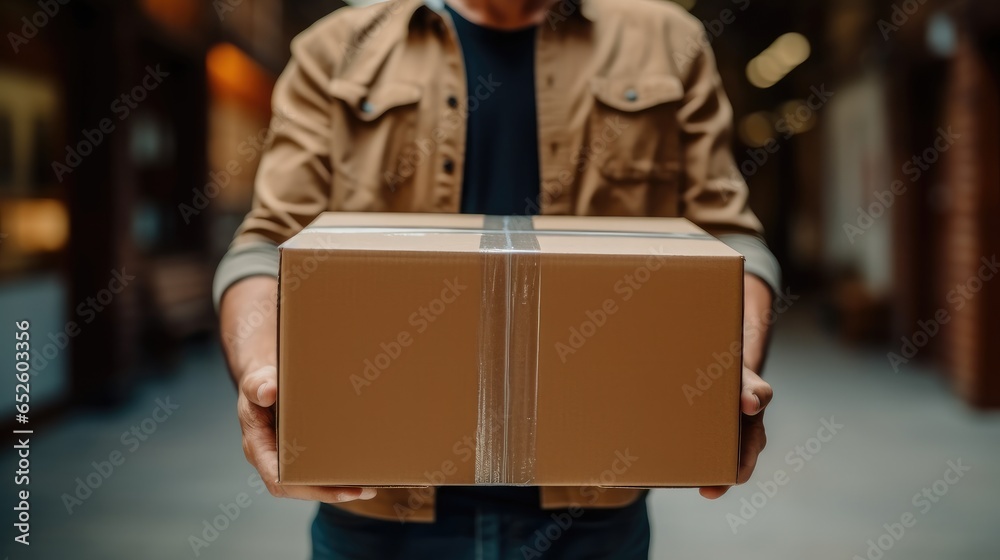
(899,432)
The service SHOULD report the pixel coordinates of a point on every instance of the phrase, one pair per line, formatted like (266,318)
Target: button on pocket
(638,93)
(633,126)
(370,104)
(375,127)
(633,144)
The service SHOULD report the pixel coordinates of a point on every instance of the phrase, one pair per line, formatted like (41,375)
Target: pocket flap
(369,104)
(639,93)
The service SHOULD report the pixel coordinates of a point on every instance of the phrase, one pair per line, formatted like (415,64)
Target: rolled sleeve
(243,261)
(760,261)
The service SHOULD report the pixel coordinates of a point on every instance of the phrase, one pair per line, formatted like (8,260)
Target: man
(607,107)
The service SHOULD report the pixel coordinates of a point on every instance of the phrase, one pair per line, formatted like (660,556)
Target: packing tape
(508,353)
(522,385)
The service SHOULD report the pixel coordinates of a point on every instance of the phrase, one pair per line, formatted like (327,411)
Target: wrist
(757,318)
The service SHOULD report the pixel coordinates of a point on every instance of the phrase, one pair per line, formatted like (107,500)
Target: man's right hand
(258,389)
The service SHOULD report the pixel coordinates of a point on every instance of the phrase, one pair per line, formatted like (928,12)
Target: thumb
(261,386)
(756,394)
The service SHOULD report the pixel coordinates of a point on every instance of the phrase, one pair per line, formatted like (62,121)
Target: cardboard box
(432,349)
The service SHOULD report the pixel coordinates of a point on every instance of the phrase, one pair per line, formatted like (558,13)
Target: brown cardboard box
(420,349)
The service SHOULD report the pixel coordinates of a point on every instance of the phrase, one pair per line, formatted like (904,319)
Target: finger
(256,419)
(264,457)
(328,495)
(756,394)
(260,448)
(259,438)
(713,492)
(748,462)
(261,386)
(754,441)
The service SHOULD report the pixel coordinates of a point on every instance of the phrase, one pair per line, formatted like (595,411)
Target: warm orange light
(35,225)
(233,74)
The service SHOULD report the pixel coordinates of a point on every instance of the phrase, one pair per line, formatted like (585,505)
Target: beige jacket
(370,115)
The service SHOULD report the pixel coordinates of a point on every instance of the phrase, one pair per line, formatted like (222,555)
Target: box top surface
(463,233)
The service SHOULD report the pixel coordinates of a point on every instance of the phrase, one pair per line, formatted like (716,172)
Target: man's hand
(756,392)
(251,357)
(755,397)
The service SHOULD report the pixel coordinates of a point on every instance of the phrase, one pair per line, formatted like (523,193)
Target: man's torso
(608,88)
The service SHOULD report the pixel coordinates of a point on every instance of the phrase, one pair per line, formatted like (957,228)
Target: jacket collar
(561,10)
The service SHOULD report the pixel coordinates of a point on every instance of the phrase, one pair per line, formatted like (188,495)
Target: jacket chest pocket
(375,128)
(634,137)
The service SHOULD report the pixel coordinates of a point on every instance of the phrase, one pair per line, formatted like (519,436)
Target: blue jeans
(486,524)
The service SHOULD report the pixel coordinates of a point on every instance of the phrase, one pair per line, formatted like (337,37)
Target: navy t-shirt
(501,172)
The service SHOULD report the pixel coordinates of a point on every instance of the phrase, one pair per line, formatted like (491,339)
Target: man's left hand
(753,400)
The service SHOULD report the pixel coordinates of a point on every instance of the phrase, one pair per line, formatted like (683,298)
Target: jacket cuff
(242,261)
(759,260)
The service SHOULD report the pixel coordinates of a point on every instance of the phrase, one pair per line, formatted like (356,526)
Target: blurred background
(868,130)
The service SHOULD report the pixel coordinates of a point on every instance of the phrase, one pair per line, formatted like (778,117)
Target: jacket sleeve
(292,184)
(714,194)
(293,180)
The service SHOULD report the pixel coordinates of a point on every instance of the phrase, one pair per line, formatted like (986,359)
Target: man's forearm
(757,301)
(249,324)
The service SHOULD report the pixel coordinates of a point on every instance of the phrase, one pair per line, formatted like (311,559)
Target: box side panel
(378,368)
(639,368)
